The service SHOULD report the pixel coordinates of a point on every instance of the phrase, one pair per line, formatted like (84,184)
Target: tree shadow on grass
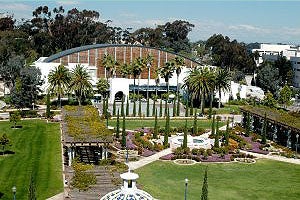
(1,195)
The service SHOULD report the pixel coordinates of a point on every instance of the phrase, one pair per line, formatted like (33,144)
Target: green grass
(139,123)
(37,151)
(264,180)
(227,109)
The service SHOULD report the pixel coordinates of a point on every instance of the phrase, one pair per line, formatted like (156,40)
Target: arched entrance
(119,95)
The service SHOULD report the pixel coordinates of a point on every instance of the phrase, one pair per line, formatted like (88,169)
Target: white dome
(129,190)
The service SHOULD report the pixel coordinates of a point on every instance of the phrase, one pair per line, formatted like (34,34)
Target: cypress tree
(140,108)
(148,109)
(204,195)
(122,107)
(160,108)
(127,107)
(195,127)
(118,125)
(213,125)
(187,110)
(184,143)
(123,143)
(48,106)
(174,108)
(227,134)
(114,108)
(264,130)
(178,107)
(166,108)
(191,110)
(106,108)
(31,189)
(155,133)
(217,135)
(248,124)
(167,130)
(134,108)
(154,111)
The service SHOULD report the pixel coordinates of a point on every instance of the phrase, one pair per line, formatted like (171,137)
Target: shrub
(209,152)
(195,151)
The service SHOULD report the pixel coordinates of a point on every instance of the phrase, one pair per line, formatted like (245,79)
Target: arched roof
(96,46)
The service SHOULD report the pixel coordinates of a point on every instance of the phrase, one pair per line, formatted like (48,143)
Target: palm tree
(166,72)
(80,83)
(156,78)
(223,78)
(179,62)
(102,86)
(148,61)
(137,69)
(109,64)
(199,83)
(124,70)
(59,79)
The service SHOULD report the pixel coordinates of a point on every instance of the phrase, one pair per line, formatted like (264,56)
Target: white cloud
(67,3)
(245,27)
(15,7)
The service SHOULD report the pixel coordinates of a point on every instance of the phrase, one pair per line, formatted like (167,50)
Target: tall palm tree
(137,69)
(148,61)
(59,79)
(223,78)
(109,64)
(80,83)
(199,83)
(166,72)
(179,62)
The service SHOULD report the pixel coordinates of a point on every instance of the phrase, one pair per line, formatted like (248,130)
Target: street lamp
(14,190)
(185,190)
(297,137)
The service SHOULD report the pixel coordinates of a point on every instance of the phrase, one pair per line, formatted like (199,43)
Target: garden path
(144,161)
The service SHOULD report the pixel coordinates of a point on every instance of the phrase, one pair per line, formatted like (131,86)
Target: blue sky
(246,21)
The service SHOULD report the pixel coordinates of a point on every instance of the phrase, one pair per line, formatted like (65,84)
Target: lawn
(37,152)
(139,123)
(266,179)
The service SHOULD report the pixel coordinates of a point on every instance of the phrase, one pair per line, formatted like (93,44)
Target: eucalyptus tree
(166,72)
(80,83)
(59,79)
(222,82)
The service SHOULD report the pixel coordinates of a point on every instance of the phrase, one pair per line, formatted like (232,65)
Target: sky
(246,21)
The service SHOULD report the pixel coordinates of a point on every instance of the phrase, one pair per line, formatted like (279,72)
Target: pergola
(281,126)
(84,135)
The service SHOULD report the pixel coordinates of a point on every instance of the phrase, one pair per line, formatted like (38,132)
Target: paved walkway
(59,196)
(144,161)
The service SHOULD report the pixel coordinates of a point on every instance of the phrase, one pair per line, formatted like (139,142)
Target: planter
(245,160)
(184,161)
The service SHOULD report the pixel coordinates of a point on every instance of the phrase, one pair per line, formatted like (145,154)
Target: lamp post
(185,189)
(14,190)
(297,137)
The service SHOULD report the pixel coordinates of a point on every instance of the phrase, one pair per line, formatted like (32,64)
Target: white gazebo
(128,191)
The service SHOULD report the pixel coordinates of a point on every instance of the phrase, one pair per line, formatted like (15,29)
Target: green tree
(264,130)
(102,87)
(216,144)
(32,189)
(104,109)
(184,142)
(122,107)
(285,96)
(186,111)
(174,108)
(268,77)
(160,108)
(134,109)
(227,133)
(167,130)
(204,195)
(248,124)
(153,108)
(109,64)
(166,107)
(4,141)
(127,107)
(155,133)
(59,79)
(123,142)
(80,83)
(48,113)
(179,63)
(140,108)
(147,108)
(118,125)
(178,107)
(195,126)
(15,117)
(269,100)
(114,108)
(222,82)
(137,68)
(213,126)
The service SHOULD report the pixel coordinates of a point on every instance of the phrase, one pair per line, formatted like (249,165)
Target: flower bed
(255,146)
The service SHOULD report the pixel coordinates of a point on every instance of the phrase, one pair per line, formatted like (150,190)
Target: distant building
(272,51)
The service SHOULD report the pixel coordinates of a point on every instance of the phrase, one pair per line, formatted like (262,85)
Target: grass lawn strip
(37,152)
(267,179)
